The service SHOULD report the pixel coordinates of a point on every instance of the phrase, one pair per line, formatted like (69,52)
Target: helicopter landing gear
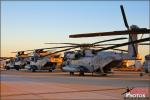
(81,73)
(50,70)
(104,74)
(33,70)
(71,73)
(7,68)
(141,74)
(17,67)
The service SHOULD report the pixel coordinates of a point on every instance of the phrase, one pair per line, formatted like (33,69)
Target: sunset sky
(29,24)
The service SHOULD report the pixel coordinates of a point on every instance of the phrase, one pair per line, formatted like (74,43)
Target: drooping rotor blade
(5,58)
(84,45)
(29,50)
(21,51)
(109,40)
(13,52)
(114,49)
(126,43)
(63,50)
(116,44)
(124,17)
(58,47)
(104,44)
(35,49)
(52,48)
(145,44)
(64,43)
(122,32)
(17,51)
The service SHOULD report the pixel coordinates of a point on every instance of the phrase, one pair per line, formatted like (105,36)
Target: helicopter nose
(70,69)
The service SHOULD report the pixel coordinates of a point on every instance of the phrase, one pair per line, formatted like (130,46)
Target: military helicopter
(7,61)
(93,60)
(40,61)
(102,62)
(87,52)
(17,62)
(85,48)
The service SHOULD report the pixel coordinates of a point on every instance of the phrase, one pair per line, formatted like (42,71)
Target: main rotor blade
(126,43)
(13,52)
(64,43)
(116,44)
(63,50)
(104,44)
(122,32)
(124,17)
(29,50)
(144,44)
(4,58)
(21,51)
(17,51)
(109,40)
(53,48)
(114,49)
(58,47)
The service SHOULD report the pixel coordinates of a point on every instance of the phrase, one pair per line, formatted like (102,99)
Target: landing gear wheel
(50,70)
(33,70)
(104,74)
(7,68)
(17,69)
(71,73)
(81,74)
(141,74)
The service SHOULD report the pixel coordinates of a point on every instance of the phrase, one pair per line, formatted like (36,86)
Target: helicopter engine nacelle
(89,53)
(69,55)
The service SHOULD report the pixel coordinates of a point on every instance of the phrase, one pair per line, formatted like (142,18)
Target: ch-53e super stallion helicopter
(93,60)
(40,61)
(6,61)
(102,62)
(17,62)
(79,60)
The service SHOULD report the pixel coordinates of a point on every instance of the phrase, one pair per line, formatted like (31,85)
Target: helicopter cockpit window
(79,54)
(7,62)
(56,56)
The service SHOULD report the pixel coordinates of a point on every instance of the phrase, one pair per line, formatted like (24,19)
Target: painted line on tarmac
(81,91)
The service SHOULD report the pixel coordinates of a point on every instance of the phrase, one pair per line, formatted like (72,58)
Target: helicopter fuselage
(100,63)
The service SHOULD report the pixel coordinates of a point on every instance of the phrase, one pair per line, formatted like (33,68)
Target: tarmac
(43,85)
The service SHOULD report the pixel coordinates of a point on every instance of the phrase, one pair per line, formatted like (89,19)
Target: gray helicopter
(87,60)
(17,62)
(7,61)
(98,60)
(40,61)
